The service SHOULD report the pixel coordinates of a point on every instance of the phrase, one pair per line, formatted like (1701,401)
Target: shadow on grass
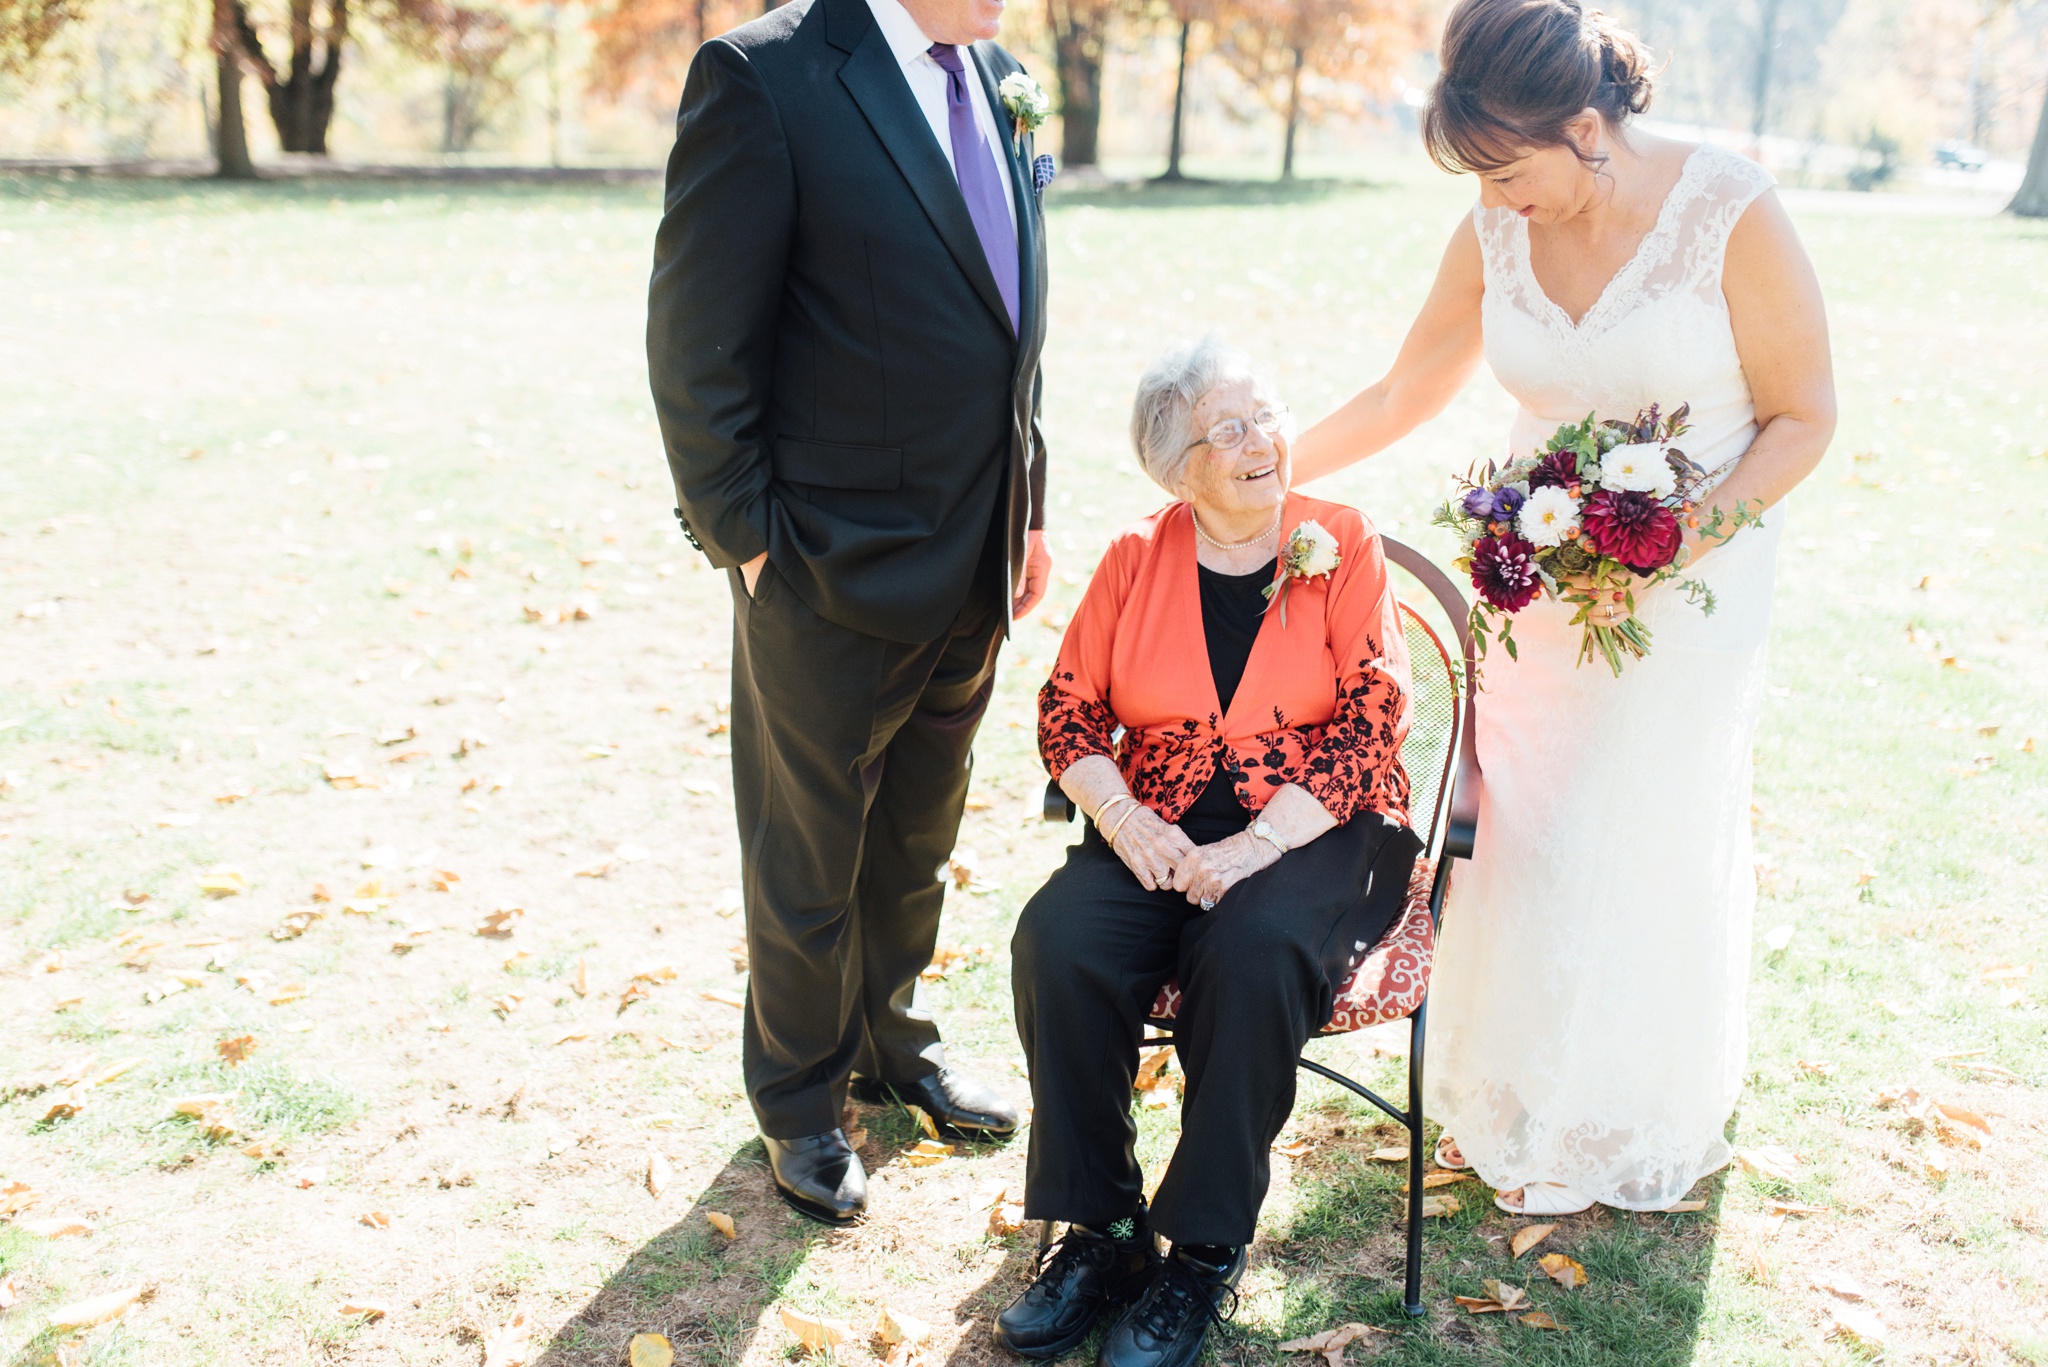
(1202,194)
(1341,1254)
(704,1292)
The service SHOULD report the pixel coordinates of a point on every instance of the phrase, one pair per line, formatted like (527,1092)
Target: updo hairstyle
(1515,72)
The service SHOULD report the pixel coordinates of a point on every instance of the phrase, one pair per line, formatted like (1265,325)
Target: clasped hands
(1160,855)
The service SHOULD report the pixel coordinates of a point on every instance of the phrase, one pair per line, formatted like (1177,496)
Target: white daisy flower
(1547,516)
(1638,468)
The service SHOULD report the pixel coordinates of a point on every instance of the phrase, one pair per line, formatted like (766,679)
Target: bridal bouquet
(1600,510)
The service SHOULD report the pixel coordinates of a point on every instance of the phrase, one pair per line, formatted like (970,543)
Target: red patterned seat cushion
(1386,984)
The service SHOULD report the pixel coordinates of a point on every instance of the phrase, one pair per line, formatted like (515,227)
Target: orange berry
(1573,491)
(1571,533)
(1619,596)
(1692,522)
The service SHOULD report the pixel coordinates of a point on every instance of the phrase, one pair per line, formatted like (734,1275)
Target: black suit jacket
(836,377)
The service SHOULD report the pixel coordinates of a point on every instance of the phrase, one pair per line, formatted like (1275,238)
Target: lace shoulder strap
(1504,258)
(1720,186)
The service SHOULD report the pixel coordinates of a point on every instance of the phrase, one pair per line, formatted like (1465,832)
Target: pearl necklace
(1237,545)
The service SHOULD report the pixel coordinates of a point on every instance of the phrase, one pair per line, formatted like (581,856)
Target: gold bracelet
(1120,797)
(1136,807)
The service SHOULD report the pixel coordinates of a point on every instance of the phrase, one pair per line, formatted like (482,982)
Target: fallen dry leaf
(1439,1207)
(1528,1237)
(1388,1155)
(926,1153)
(370,1311)
(925,1123)
(297,922)
(1770,1161)
(508,1347)
(1293,1146)
(649,1350)
(1684,1207)
(723,1223)
(1500,1298)
(56,1227)
(1936,1164)
(1537,1319)
(10,1296)
(95,1309)
(724,998)
(1857,1323)
(290,992)
(1792,1208)
(2000,973)
(659,1173)
(1431,1180)
(1331,1343)
(237,1050)
(223,881)
(1958,1126)
(1813,1067)
(311,1175)
(635,992)
(1840,1285)
(897,1327)
(16,1197)
(580,984)
(497,925)
(1153,1071)
(1566,1272)
(814,1332)
(573,1035)
(375,1219)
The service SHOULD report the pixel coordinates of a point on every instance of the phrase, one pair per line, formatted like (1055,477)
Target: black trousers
(851,757)
(1259,976)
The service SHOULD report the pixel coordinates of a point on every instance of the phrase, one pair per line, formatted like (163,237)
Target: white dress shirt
(928,84)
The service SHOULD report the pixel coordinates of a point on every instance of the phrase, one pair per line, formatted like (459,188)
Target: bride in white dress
(1588,1035)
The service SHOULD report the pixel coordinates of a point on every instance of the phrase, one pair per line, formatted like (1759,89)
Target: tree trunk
(1077,39)
(1293,114)
(1766,53)
(2032,200)
(1180,103)
(231,138)
(302,100)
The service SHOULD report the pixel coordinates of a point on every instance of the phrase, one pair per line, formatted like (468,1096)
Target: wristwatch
(1263,829)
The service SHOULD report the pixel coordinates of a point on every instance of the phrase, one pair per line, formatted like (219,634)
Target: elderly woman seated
(1247,836)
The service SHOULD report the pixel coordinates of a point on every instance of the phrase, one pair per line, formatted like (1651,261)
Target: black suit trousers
(851,759)
(1258,976)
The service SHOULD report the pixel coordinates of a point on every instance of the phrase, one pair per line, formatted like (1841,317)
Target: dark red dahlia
(1558,470)
(1634,528)
(1504,572)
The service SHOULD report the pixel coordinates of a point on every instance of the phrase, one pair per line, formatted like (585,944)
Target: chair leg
(1411,1299)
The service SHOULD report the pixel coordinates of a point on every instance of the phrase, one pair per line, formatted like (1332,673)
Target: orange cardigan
(1323,702)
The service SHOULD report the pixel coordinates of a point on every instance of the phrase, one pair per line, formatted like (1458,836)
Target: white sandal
(1445,1163)
(1546,1198)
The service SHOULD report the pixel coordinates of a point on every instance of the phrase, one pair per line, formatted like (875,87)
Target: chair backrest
(1439,710)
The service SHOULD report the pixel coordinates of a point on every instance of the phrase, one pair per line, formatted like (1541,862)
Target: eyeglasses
(1230,433)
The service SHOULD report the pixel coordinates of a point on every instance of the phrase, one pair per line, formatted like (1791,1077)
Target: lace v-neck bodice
(1658,333)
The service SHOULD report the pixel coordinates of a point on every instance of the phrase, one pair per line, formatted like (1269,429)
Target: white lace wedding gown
(1587,1010)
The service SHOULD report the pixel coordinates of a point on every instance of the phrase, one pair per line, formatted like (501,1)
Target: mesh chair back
(1432,726)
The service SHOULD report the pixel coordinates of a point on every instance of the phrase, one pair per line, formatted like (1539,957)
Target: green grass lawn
(251,436)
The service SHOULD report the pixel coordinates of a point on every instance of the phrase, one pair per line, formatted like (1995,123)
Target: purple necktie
(974,164)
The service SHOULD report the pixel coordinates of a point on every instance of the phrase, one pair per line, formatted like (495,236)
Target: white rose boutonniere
(1027,103)
(1310,553)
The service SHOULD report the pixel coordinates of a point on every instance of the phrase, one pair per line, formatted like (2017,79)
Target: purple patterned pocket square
(1042,172)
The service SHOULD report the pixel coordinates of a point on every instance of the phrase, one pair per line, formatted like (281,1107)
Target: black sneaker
(1167,1325)
(1080,1277)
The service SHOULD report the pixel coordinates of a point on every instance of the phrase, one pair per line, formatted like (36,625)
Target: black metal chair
(1391,981)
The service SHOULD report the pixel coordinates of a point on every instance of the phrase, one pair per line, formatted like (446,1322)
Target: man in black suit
(843,333)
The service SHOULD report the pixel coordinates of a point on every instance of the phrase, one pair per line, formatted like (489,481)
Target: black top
(1233,607)
(834,370)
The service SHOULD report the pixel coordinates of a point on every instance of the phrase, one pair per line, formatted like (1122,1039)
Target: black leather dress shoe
(1081,1277)
(954,1100)
(1166,1326)
(820,1176)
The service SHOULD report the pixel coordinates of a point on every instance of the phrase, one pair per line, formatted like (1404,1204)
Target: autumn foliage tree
(27,26)
(1309,59)
(635,40)
(301,92)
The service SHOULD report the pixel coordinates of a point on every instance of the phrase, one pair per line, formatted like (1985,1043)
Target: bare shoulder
(1764,247)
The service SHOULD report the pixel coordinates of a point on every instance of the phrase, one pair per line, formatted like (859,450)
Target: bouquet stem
(1630,640)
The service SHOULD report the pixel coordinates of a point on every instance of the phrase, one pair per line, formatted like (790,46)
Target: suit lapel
(876,83)
(1026,201)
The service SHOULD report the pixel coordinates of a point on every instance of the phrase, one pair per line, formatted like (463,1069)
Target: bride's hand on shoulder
(1151,847)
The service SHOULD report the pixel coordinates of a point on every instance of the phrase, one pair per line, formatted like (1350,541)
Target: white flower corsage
(1310,553)
(1027,102)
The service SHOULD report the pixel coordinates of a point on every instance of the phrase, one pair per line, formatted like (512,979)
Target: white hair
(1163,415)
